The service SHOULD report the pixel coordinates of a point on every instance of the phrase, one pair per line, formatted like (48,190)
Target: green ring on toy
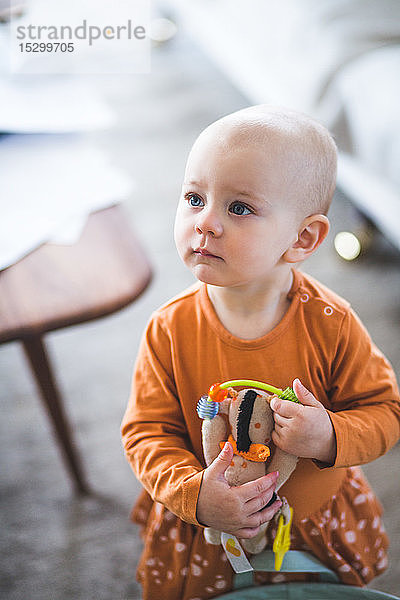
(287,394)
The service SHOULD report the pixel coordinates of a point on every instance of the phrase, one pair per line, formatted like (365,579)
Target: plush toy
(245,419)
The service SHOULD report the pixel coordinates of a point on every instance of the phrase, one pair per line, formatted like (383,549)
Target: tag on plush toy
(235,554)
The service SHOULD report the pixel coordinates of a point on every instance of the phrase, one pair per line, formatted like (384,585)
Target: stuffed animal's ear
(213,431)
(284,463)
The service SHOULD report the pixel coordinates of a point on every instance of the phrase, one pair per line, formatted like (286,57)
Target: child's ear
(312,233)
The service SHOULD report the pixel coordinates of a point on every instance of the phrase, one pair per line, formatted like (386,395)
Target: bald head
(305,149)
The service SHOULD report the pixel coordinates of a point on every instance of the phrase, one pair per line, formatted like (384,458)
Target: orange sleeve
(153,430)
(364,397)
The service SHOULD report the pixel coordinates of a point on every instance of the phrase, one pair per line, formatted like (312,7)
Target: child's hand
(237,510)
(305,429)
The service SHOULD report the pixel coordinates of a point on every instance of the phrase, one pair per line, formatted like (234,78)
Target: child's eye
(194,200)
(237,208)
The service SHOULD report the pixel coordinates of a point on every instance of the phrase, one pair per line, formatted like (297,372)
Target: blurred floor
(60,547)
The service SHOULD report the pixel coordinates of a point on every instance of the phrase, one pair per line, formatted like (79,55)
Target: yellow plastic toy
(282,539)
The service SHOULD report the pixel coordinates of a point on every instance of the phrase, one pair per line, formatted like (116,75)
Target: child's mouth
(204,252)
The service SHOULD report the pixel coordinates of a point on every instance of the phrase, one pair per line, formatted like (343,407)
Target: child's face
(236,215)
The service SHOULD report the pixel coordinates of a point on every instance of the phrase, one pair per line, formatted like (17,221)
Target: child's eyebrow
(235,191)
(191,182)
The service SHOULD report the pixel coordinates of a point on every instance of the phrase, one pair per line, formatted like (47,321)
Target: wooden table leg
(36,353)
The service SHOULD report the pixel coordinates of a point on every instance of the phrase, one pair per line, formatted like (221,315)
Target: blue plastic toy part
(206,408)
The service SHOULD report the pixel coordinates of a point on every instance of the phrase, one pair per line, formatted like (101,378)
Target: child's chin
(205,275)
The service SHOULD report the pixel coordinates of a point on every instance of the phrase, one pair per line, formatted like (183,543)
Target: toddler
(256,191)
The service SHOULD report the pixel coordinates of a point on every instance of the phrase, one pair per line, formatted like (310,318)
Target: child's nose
(208,223)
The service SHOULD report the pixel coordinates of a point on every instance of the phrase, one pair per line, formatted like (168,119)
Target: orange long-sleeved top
(320,339)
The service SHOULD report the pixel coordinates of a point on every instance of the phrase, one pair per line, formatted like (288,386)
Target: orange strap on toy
(256,452)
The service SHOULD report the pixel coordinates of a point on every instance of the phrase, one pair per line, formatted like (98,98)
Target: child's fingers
(285,408)
(220,464)
(281,421)
(259,487)
(254,521)
(277,439)
(260,502)
(304,395)
(268,512)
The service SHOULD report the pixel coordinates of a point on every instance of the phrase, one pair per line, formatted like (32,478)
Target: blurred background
(90,142)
